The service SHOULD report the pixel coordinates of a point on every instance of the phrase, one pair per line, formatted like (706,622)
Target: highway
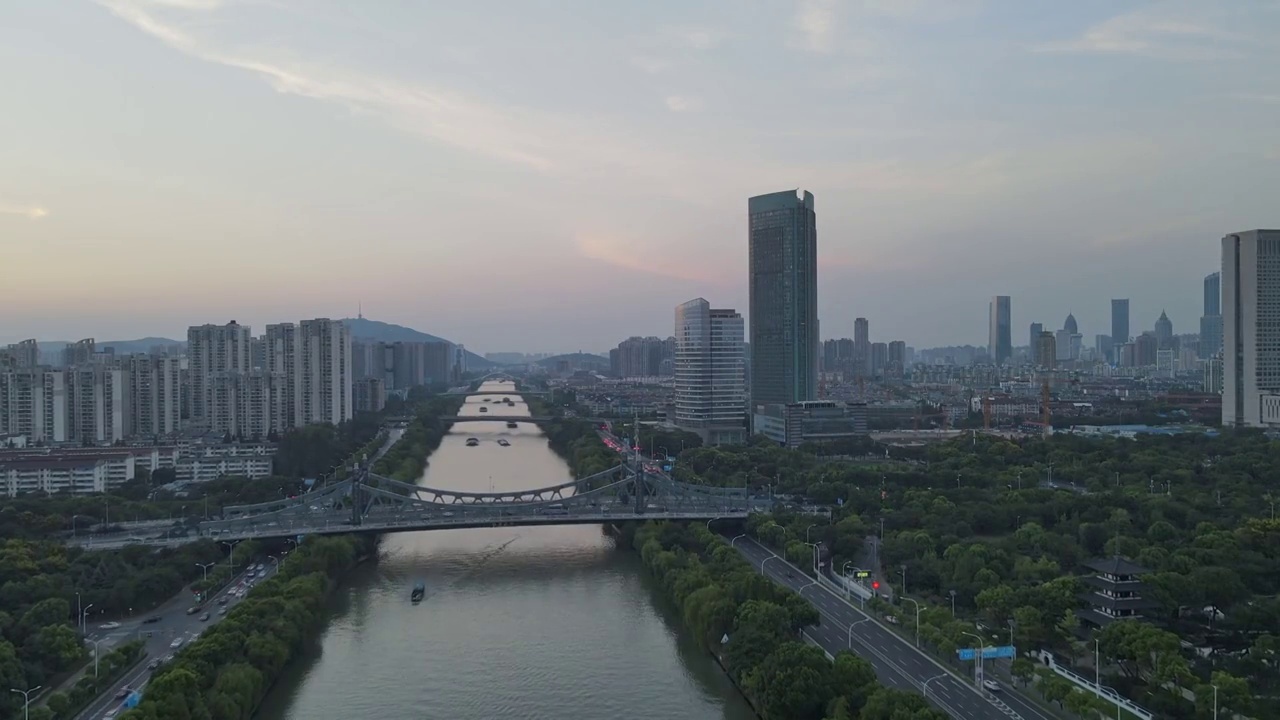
(174,623)
(897,662)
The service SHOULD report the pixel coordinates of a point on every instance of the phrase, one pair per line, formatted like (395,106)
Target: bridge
(370,503)
(458,392)
(488,417)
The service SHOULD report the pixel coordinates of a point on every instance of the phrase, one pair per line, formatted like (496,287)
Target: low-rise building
(795,424)
(201,463)
(77,470)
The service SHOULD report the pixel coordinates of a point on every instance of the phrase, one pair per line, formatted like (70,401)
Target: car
(177,643)
(222,611)
(222,600)
(891,619)
(193,609)
(168,658)
(123,692)
(152,619)
(109,626)
(991,685)
(153,664)
(204,617)
(110,714)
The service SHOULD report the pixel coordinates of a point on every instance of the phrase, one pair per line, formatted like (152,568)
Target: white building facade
(710,378)
(1251,329)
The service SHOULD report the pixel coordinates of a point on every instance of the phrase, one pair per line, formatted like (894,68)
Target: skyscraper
(861,347)
(1211,321)
(1164,331)
(783,290)
(1251,334)
(710,383)
(1036,329)
(213,349)
(999,332)
(1119,322)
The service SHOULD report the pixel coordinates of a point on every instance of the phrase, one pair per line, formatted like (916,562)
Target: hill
(377,331)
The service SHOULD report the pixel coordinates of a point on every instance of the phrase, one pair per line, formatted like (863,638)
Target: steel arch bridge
(368,502)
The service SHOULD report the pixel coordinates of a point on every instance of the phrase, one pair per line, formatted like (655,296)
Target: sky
(555,175)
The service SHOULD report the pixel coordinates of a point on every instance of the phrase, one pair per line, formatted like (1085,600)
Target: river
(548,622)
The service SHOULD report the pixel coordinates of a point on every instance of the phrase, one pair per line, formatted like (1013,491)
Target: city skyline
(252,175)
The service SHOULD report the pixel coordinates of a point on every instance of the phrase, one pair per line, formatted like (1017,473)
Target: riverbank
(752,626)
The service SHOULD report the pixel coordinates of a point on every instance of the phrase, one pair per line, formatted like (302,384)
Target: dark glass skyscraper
(999,336)
(783,287)
(1211,321)
(1119,322)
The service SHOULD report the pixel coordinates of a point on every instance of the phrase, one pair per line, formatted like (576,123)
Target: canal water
(550,622)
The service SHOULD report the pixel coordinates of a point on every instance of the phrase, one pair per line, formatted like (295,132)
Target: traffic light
(875,584)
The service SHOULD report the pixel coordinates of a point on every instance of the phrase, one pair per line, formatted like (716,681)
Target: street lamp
(96,654)
(953,603)
(26,700)
(977,668)
(815,556)
(917,604)
(231,554)
(84,614)
(762,562)
(275,560)
(1215,701)
(205,567)
(736,538)
(924,688)
(851,625)
(806,532)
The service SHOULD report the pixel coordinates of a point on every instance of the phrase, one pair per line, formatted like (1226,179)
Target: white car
(177,643)
(109,626)
(991,685)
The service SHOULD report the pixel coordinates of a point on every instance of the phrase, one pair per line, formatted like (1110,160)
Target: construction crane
(986,412)
(1045,416)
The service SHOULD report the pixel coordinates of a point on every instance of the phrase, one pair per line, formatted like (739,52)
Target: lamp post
(96,654)
(917,604)
(275,560)
(26,700)
(851,626)
(84,614)
(231,554)
(977,655)
(79,610)
(924,687)
(1215,701)
(815,556)
(806,532)
(762,562)
(953,603)
(1097,664)
(736,538)
(205,567)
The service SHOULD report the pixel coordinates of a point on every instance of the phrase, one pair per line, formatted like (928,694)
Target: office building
(1119,322)
(1046,350)
(1211,320)
(861,347)
(1036,329)
(1251,328)
(1164,331)
(710,385)
(814,421)
(999,331)
(783,291)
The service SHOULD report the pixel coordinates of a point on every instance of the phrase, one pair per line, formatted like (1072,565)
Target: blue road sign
(666,468)
(988,653)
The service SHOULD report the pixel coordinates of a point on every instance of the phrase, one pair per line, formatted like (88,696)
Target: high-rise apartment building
(1251,328)
(710,386)
(999,330)
(642,356)
(213,349)
(783,290)
(98,404)
(33,403)
(1036,329)
(897,358)
(1211,320)
(282,348)
(79,353)
(22,356)
(1119,322)
(879,358)
(322,374)
(1046,348)
(155,394)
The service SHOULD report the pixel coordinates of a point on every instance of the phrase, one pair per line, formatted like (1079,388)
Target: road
(174,623)
(898,664)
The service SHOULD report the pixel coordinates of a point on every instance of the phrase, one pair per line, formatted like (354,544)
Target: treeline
(977,525)
(226,673)
(39,584)
(312,451)
(66,705)
(577,442)
(719,594)
(406,459)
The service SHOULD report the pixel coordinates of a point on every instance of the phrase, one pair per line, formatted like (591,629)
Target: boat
(472,442)
(484,409)
(419,590)
(504,442)
(511,424)
(506,400)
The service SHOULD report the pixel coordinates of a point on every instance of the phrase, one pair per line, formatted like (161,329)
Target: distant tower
(1164,331)
(1070,325)
(999,337)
